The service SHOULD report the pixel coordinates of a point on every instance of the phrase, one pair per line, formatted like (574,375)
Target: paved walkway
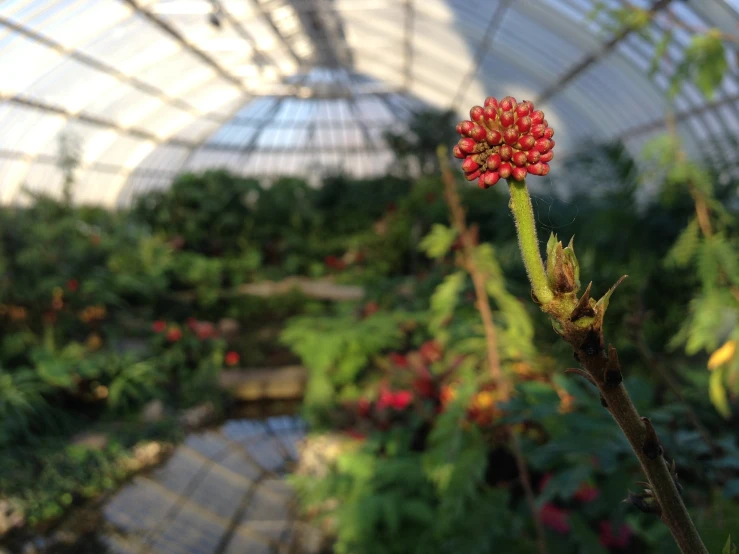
(221,492)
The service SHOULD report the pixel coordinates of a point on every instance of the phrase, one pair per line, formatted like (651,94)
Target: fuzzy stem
(528,242)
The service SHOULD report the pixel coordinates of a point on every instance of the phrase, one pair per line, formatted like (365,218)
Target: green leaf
(659,52)
(729,548)
(438,242)
(685,246)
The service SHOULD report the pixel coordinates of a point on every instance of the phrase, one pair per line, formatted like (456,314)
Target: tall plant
(511,140)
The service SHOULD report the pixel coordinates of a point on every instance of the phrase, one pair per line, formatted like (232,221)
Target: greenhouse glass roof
(149,88)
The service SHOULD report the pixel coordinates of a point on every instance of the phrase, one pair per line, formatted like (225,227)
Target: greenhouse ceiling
(144,89)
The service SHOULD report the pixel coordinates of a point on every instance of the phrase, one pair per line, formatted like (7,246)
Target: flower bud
(478,133)
(476,113)
(561,268)
(494,138)
(506,119)
(547,156)
(490,113)
(505,170)
(472,176)
(506,152)
(458,153)
(522,110)
(467,145)
(526,143)
(519,159)
(533,156)
(469,165)
(524,123)
(508,104)
(538,130)
(536,168)
(490,178)
(492,102)
(493,162)
(542,145)
(537,117)
(518,173)
(510,135)
(465,127)
(549,133)
(544,169)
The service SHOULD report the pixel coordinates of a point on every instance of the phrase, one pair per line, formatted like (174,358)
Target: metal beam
(91,119)
(108,70)
(594,57)
(49,159)
(261,56)
(176,35)
(661,122)
(268,19)
(487,39)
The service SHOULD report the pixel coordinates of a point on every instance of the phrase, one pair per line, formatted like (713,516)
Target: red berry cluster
(504,140)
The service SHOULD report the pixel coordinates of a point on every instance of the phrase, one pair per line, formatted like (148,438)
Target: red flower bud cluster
(504,140)
(614,538)
(174,334)
(73,285)
(334,263)
(554,517)
(397,400)
(159,326)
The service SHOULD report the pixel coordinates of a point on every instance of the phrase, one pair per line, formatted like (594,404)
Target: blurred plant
(577,319)
(702,61)
(707,245)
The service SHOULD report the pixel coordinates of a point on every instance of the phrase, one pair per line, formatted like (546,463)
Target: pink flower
(557,519)
(619,539)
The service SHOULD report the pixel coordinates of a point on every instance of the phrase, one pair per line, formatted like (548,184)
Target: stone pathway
(221,492)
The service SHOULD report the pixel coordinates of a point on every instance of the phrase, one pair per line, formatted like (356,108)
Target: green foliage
(443,302)
(336,350)
(438,242)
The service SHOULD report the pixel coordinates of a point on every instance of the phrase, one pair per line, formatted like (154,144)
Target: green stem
(528,242)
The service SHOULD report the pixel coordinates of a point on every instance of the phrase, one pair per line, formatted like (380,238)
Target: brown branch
(458,220)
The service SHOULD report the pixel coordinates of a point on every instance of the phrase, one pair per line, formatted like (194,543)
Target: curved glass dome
(144,89)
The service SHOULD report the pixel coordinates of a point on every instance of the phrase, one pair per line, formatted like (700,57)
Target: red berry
(519,158)
(478,133)
(524,123)
(494,138)
(493,161)
(506,119)
(518,173)
(508,104)
(469,165)
(547,156)
(467,145)
(510,135)
(506,152)
(537,117)
(505,170)
(526,142)
(542,145)
(492,102)
(490,178)
(476,113)
(458,152)
(472,176)
(538,130)
(533,156)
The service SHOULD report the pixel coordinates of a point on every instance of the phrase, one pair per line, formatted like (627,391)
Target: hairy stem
(528,242)
(458,220)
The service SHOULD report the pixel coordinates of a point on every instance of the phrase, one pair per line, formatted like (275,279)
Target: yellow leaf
(722,355)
